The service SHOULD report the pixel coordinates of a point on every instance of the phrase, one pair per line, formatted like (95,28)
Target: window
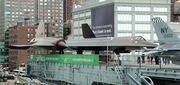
(142,27)
(160,9)
(81,15)
(155,37)
(56,35)
(124,8)
(75,15)
(142,8)
(28,35)
(124,26)
(88,21)
(124,17)
(124,34)
(142,17)
(101,0)
(28,29)
(88,13)
(164,17)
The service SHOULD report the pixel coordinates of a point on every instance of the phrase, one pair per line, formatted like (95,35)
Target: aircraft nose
(62,45)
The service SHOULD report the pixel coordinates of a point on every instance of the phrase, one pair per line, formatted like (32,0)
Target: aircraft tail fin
(87,32)
(164,33)
(40,32)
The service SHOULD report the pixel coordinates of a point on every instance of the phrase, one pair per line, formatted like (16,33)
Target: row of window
(142,8)
(82,14)
(145,27)
(52,10)
(81,22)
(51,7)
(50,14)
(52,4)
(128,17)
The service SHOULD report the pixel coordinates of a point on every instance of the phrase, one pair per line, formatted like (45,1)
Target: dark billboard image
(102,19)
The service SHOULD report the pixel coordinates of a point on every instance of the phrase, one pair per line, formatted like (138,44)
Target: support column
(79,51)
(96,51)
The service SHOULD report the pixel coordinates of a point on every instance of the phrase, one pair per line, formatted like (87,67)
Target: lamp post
(111,38)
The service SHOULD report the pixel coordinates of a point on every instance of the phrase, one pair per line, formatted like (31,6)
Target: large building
(120,18)
(68,6)
(51,11)
(29,12)
(20,35)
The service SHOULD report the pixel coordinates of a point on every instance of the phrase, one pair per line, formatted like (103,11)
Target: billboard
(66,58)
(102,19)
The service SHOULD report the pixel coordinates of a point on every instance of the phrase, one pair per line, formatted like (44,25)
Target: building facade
(130,18)
(68,7)
(20,35)
(4,13)
(29,12)
(51,11)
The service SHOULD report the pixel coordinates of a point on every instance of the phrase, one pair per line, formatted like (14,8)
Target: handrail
(145,81)
(116,65)
(133,79)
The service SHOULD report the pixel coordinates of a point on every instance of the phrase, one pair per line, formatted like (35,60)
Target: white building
(131,17)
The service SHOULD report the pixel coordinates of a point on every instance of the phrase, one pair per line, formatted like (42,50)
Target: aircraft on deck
(116,44)
(169,42)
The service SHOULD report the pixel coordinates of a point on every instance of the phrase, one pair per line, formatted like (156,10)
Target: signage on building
(103,20)
(67,58)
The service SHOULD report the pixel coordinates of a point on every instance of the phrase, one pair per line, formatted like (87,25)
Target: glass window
(76,32)
(124,17)
(75,15)
(88,21)
(164,17)
(124,8)
(124,26)
(88,13)
(160,9)
(142,27)
(142,17)
(81,22)
(28,29)
(124,34)
(155,37)
(101,0)
(142,8)
(28,35)
(41,3)
(81,15)
(56,35)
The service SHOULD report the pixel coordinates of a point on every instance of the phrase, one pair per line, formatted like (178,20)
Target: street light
(111,38)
